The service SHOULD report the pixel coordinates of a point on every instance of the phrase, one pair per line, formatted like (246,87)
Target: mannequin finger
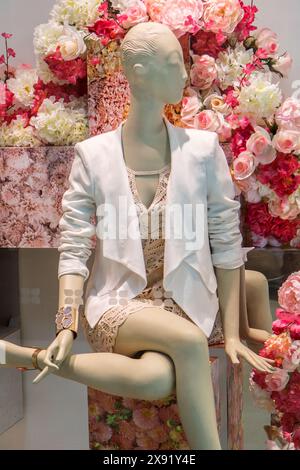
(260,365)
(261,360)
(61,355)
(49,363)
(46,371)
(254,363)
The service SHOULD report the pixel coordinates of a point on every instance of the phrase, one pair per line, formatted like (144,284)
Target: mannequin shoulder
(198,141)
(96,148)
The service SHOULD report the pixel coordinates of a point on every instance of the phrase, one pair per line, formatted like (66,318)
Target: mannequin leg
(172,341)
(187,345)
(256,317)
(150,377)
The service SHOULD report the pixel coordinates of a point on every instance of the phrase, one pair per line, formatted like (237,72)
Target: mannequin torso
(146,153)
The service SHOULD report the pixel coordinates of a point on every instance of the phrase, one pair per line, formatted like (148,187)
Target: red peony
(284,230)
(240,137)
(205,42)
(259,219)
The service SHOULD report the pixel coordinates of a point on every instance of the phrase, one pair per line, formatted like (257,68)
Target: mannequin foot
(13,355)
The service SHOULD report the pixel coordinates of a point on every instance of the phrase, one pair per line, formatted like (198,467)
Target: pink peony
(145,417)
(283,208)
(222,15)
(288,115)
(287,141)
(135,14)
(277,380)
(289,294)
(267,40)
(261,146)
(243,165)
(203,71)
(181,16)
(283,64)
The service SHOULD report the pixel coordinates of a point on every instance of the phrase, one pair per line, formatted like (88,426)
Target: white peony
(22,86)
(76,13)
(123,5)
(16,135)
(260,98)
(46,37)
(58,123)
(230,64)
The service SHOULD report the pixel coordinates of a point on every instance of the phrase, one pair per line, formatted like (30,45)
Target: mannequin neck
(145,117)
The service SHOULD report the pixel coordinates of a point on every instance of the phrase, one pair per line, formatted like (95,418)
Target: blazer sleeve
(223,213)
(76,229)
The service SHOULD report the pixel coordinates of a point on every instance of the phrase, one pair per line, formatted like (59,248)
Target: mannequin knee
(190,340)
(255,280)
(156,381)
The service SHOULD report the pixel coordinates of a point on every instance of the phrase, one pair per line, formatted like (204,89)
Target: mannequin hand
(56,353)
(234,348)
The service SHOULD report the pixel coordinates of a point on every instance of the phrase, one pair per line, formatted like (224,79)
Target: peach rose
(135,14)
(283,64)
(287,141)
(222,15)
(243,165)
(216,103)
(288,115)
(208,120)
(277,380)
(261,146)
(267,40)
(203,71)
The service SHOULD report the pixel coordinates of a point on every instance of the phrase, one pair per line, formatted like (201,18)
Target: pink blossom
(145,417)
(283,208)
(288,115)
(266,39)
(203,71)
(261,146)
(243,165)
(283,64)
(287,141)
(277,380)
(222,15)
(289,294)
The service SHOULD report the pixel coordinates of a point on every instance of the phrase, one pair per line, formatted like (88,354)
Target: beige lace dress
(103,335)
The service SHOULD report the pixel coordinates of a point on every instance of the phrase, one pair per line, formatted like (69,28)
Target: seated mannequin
(173,351)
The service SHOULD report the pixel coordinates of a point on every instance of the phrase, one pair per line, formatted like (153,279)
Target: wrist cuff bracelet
(67,319)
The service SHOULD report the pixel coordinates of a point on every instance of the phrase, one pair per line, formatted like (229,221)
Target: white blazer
(199,174)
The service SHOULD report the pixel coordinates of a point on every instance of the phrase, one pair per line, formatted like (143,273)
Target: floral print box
(122,423)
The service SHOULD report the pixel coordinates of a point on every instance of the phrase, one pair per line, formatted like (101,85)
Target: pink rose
(277,380)
(288,115)
(289,294)
(283,64)
(261,146)
(243,165)
(190,106)
(203,71)
(208,120)
(287,141)
(135,14)
(267,40)
(222,15)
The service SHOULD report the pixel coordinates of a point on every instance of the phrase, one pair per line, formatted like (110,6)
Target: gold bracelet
(67,319)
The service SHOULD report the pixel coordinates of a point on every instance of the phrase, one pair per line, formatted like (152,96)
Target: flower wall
(78,89)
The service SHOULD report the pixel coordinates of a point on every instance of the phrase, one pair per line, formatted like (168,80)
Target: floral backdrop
(233,89)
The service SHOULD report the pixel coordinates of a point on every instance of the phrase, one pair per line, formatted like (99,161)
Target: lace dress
(103,335)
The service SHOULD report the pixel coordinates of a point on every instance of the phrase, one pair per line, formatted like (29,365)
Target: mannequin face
(161,76)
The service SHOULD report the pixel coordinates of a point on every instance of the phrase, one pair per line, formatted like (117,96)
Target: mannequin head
(153,63)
